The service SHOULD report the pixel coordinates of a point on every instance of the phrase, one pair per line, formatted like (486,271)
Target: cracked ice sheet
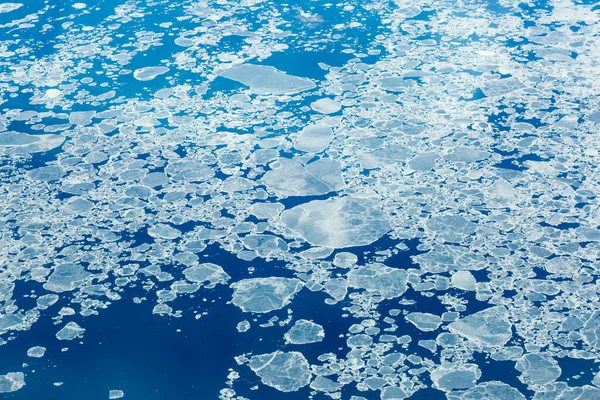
(338,223)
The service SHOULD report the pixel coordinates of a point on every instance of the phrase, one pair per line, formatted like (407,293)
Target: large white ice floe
(262,295)
(285,371)
(23,143)
(304,332)
(489,327)
(338,223)
(263,79)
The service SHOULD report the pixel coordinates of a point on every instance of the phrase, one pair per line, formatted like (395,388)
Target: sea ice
(262,79)
(262,295)
(286,372)
(338,223)
(489,327)
(304,332)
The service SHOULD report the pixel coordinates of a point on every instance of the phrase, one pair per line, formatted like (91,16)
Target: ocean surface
(257,199)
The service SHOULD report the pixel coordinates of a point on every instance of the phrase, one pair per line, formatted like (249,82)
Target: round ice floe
(52,93)
(79,6)
(115,394)
(538,369)
(149,73)
(46,174)
(453,376)
(36,352)
(326,106)
(464,280)
(345,259)
(286,372)
(291,178)
(338,223)
(262,295)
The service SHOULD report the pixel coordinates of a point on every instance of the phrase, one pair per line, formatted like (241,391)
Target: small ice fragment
(52,93)
(70,331)
(36,352)
(115,394)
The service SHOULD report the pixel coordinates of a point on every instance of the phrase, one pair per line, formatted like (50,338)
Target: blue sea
(255,199)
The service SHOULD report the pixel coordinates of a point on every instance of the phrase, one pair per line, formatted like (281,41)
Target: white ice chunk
(345,259)
(207,272)
(262,79)
(488,390)
(46,174)
(424,321)
(423,162)
(8,7)
(313,138)
(266,210)
(286,372)
(304,332)
(115,394)
(452,376)
(23,143)
(243,326)
(149,73)
(12,381)
(379,279)
(501,87)
(326,106)
(52,93)
(464,280)
(488,327)
(323,384)
(538,369)
(66,277)
(262,295)
(394,393)
(70,331)
(591,330)
(292,178)
(338,223)
(164,231)
(36,352)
